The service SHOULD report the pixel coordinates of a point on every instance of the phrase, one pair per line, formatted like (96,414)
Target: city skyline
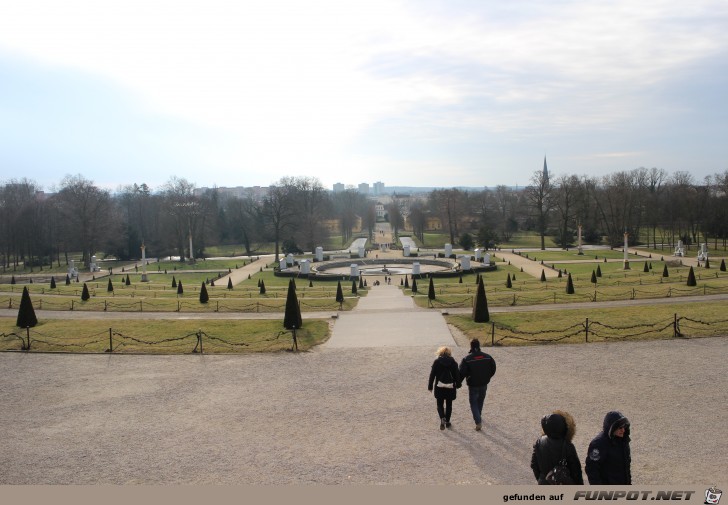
(416,94)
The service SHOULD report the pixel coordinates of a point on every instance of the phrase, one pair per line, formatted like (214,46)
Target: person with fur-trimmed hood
(608,459)
(554,445)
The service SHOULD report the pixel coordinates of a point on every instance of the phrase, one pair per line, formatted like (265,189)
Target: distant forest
(297,214)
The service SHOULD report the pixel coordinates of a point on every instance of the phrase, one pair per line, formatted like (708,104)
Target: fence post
(217,306)
(27,332)
(492,334)
(674,326)
(105,305)
(586,330)
(72,304)
(595,296)
(199,339)
(111,344)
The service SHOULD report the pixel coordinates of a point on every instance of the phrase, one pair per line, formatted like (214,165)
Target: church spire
(545,170)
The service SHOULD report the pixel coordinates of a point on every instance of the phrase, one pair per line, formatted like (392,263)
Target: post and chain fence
(120,342)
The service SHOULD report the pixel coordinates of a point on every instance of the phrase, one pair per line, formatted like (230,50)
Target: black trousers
(444,408)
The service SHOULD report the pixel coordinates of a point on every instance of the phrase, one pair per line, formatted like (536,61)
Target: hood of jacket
(559,425)
(614,420)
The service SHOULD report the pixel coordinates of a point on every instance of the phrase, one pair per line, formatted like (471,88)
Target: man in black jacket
(609,459)
(477,368)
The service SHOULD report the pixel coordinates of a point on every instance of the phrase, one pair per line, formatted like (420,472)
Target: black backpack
(445,376)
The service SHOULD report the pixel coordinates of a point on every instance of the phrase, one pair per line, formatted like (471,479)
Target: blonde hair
(443,351)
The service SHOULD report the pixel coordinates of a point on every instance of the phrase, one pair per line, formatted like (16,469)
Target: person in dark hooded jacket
(445,379)
(556,444)
(608,459)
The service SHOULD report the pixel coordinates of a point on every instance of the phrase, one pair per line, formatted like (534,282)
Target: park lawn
(572,255)
(163,336)
(527,240)
(605,324)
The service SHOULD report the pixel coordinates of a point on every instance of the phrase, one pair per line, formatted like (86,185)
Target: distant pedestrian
(477,368)
(445,379)
(554,446)
(608,460)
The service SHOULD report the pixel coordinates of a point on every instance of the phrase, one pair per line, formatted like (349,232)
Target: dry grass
(162,336)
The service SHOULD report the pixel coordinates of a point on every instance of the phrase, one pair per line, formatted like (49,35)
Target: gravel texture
(352,415)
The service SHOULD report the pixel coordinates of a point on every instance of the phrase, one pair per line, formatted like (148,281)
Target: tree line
(80,216)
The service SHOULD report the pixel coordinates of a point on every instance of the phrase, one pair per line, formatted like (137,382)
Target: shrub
(26,313)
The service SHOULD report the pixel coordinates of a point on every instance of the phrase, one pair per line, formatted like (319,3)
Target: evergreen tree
(292,317)
(594,277)
(174,282)
(509,284)
(599,271)
(68,280)
(26,312)
(53,282)
(665,272)
(84,293)
(406,282)
(128,281)
(353,286)
(180,289)
(230,283)
(543,275)
(339,293)
(204,297)
(569,286)
(722,265)
(431,290)
(414,285)
(691,278)
(110,286)
(480,305)
(262,287)
(646,269)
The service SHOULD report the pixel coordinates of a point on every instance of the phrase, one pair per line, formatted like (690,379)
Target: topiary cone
(204,297)
(26,312)
(691,278)
(569,285)
(480,305)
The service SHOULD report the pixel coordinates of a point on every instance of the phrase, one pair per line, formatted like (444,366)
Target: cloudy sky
(419,93)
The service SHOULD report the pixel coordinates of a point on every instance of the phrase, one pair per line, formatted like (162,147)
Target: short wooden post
(111,343)
(674,326)
(492,334)
(586,330)
(27,332)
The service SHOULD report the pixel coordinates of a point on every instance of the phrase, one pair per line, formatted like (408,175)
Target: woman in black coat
(556,444)
(445,378)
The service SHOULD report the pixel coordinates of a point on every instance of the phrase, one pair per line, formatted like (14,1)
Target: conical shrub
(84,293)
(480,305)
(53,282)
(230,283)
(110,287)
(128,281)
(461,280)
(361,282)
(665,273)
(26,312)
(707,263)
(722,265)
(68,280)
(310,284)
(431,290)
(174,282)
(406,282)
(599,271)
(12,279)
(292,317)
(353,287)
(339,293)
(543,275)
(691,278)
(569,285)
(509,284)
(204,297)
(414,285)
(594,277)
(180,289)
(262,287)
(646,269)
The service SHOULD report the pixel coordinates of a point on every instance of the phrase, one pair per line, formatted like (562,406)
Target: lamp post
(626,252)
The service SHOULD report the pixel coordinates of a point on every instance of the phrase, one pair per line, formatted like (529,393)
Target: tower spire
(545,169)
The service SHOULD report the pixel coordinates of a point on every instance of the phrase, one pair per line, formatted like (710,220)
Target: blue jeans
(477,399)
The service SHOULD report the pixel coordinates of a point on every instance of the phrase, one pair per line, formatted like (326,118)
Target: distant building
(364,188)
(378,188)
(339,187)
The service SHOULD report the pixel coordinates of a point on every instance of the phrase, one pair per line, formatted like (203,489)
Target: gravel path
(348,415)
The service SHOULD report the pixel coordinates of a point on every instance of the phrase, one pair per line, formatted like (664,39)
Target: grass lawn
(605,324)
(162,336)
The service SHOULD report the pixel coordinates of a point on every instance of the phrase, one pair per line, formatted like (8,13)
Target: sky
(410,93)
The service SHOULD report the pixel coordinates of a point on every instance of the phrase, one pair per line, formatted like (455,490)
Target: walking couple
(446,377)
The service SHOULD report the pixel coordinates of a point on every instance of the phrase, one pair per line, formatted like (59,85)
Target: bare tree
(278,212)
(541,202)
(86,212)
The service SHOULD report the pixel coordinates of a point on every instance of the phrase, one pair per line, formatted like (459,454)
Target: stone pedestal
(305,266)
(355,270)
(289,260)
(362,252)
(282,263)
(478,252)
(486,259)
(319,254)
(406,250)
(415,268)
(464,262)
(448,250)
